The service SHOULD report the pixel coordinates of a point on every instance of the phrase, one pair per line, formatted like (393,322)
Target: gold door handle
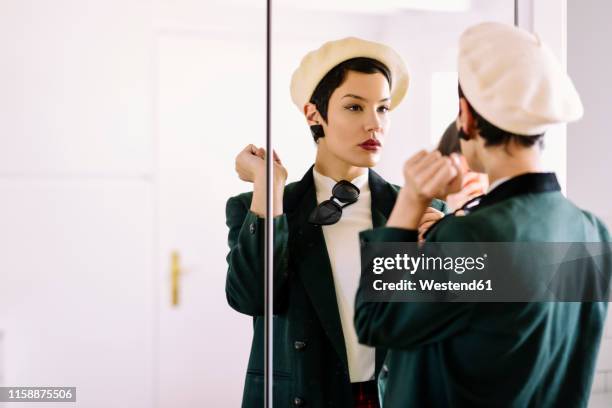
(175,273)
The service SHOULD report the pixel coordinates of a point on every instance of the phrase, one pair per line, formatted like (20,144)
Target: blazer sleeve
(403,325)
(244,286)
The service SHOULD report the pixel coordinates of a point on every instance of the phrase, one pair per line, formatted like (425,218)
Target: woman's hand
(251,166)
(427,175)
(474,185)
(430,175)
(280,172)
(430,216)
(250,162)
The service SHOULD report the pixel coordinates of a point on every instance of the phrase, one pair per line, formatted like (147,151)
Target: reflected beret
(316,64)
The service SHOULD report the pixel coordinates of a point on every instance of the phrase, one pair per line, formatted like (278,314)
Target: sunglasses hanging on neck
(329,211)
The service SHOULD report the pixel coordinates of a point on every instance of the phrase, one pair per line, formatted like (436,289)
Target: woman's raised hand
(251,165)
(474,185)
(430,175)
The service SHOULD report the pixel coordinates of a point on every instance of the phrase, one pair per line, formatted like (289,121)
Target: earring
(462,135)
(317,131)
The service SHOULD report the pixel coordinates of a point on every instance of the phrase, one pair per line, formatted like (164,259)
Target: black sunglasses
(329,211)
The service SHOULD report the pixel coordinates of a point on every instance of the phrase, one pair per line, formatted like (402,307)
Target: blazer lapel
(311,258)
(312,262)
(383,199)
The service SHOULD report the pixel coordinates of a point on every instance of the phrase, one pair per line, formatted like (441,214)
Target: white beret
(514,80)
(316,64)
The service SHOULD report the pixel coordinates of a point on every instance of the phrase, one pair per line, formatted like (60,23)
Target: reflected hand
(473,186)
(430,216)
(251,165)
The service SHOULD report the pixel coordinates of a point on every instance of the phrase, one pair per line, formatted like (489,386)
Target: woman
(345,90)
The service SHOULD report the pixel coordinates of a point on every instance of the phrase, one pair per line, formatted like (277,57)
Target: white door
(209,106)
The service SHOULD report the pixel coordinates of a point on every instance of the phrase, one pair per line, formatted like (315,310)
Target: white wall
(589,61)
(76,207)
(589,143)
(429,43)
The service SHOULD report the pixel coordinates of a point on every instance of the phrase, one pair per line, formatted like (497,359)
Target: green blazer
(491,354)
(310,363)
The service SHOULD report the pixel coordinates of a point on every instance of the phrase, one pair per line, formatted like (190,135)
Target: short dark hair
(449,142)
(495,136)
(335,77)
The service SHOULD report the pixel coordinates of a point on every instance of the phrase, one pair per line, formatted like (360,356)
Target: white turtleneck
(342,241)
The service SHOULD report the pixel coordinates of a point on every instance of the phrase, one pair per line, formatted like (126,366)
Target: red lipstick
(370,145)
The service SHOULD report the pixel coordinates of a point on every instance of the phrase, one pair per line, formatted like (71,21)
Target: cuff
(256,225)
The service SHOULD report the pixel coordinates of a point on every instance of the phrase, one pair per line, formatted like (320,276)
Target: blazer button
(299,345)
(298,402)
(252,228)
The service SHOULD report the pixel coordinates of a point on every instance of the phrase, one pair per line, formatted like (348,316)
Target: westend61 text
(432,285)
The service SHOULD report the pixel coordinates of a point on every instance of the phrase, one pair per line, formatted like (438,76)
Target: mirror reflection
(351,101)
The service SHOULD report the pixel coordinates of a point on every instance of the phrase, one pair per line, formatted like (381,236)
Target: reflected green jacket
(491,354)
(310,363)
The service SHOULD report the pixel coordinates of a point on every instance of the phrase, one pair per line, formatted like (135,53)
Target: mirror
(317,356)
